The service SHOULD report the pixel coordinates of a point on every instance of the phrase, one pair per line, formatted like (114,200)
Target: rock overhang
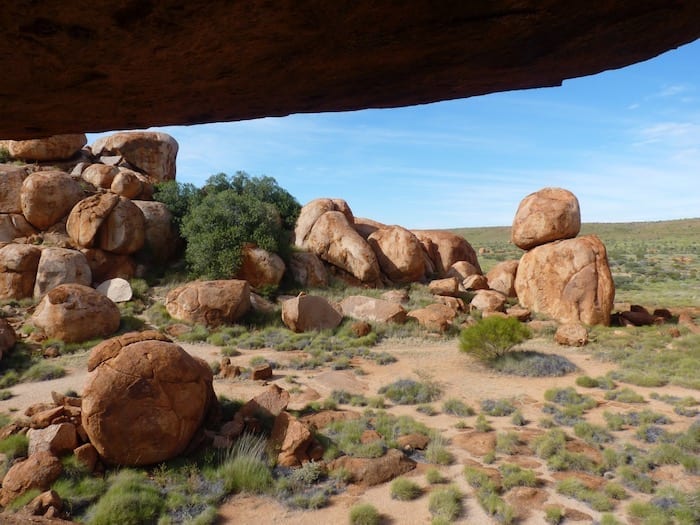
(130,64)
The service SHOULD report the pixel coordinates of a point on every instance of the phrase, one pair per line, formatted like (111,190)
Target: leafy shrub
(229,212)
(404,489)
(433,476)
(411,392)
(592,434)
(43,371)
(364,514)
(516,476)
(492,337)
(586,382)
(574,488)
(518,419)
(625,395)
(482,424)
(507,442)
(554,515)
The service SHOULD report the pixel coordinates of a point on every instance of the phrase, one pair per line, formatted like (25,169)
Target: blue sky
(626,142)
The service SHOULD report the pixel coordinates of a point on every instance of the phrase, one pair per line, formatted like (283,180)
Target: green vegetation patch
(412,392)
(492,337)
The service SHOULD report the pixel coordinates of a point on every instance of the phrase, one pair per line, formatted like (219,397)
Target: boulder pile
(83,214)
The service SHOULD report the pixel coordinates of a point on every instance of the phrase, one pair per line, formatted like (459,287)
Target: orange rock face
(48,196)
(399,254)
(568,280)
(445,248)
(209,302)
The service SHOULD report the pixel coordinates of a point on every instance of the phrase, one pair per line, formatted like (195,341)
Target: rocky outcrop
(123,231)
(571,334)
(160,236)
(100,175)
(11,179)
(73,312)
(488,301)
(434,317)
(55,147)
(445,248)
(399,254)
(14,226)
(209,302)
(105,265)
(334,240)
(151,152)
(8,337)
(260,267)
(550,214)
(309,312)
(372,310)
(144,378)
(568,280)
(311,212)
(373,471)
(87,216)
(367,227)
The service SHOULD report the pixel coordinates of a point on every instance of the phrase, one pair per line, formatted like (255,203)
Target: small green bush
(592,434)
(15,446)
(437,451)
(404,489)
(497,407)
(131,498)
(625,395)
(446,503)
(492,337)
(364,514)
(43,371)
(574,488)
(411,392)
(507,442)
(516,476)
(586,382)
(434,476)
(528,363)
(457,407)
(554,515)
(482,424)
(245,468)
(518,419)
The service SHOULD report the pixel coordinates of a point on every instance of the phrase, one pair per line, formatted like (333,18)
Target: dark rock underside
(121,64)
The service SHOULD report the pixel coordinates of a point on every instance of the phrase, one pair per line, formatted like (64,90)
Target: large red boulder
(48,196)
(73,312)
(152,152)
(446,248)
(144,398)
(568,280)
(399,254)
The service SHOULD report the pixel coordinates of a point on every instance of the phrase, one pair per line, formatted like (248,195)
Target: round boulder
(123,231)
(100,175)
(55,147)
(550,214)
(87,216)
(60,266)
(209,302)
(144,398)
(73,313)
(399,254)
(48,196)
(161,238)
(310,312)
(260,267)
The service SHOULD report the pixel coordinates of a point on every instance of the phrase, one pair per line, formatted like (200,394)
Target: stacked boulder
(365,252)
(83,215)
(561,275)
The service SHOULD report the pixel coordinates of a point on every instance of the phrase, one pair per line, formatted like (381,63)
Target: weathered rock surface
(140,377)
(57,439)
(373,471)
(13,226)
(117,290)
(550,214)
(445,248)
(488,301)
(38,471)
(308,270)
(152,152)
(372,310)
(209,302)
(502,277)
(18,268)
(399,253)
(310,312)
(11,179)
(476,282)
(87,216)
(571,334)
(73,312)
(160,236)
(60,266)
(123,231)
(462,269)
(48,196)
(260,267)
(568,280)
(55,147)
(367,227)
(100,175)
(293,439)
(126,183)
(435,317)
(334,240)
(105,265)
(8,337)
(449,287)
